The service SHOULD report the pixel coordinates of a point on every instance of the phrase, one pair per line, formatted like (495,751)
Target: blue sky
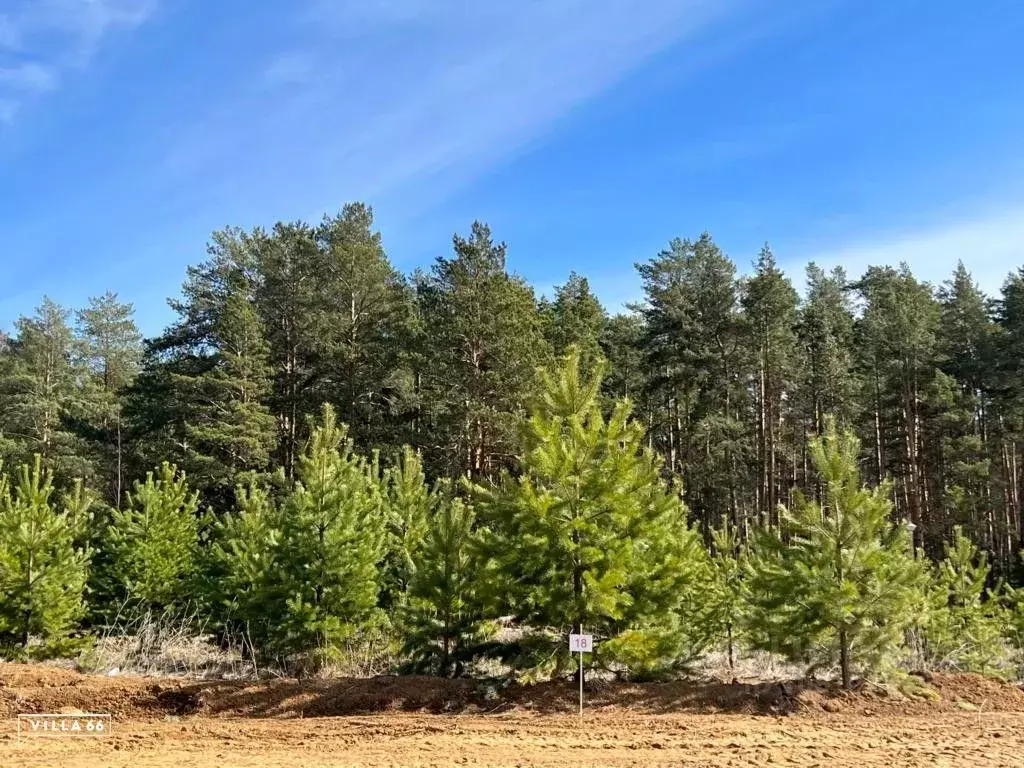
(586,132)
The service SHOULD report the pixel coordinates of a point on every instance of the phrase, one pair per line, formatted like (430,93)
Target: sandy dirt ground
(401,739)
(403,722)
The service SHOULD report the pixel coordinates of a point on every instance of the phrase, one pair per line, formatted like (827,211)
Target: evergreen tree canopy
(153,542)
(486,341)
(838,583)
(230,430)
(621,345)
(576,318)
(897,359)
(209,376)
(694,350)
(111,348)
(964,628)
(298,577)
(363,315)
(43,566)
(41,399)
(726,593)
(332,537)
(409,503)
(579,502)
(443,618)
(244,588)
(826,337)
(770,309)
(588,537)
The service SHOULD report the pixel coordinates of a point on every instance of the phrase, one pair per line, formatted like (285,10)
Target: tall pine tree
(898,355)
(484,336)
(963,477)
(770,308)
(361,323)
(111,349)
(202,400)
(39,387)
(575,318)
(694,365)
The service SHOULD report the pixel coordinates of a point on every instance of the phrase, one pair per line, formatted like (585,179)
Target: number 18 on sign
(581,644)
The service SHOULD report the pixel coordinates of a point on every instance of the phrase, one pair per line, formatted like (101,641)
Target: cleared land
(418,721)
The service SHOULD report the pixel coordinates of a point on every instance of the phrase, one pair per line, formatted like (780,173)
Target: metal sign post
(583,644)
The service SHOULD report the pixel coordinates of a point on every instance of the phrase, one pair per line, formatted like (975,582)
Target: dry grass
(367,654)
(749,666)
(163,644)
(177,645)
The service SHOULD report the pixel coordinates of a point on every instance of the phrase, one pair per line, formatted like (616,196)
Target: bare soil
(972,721)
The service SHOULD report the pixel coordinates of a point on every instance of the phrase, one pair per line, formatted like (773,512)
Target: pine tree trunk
(27,627)
(773,479)
(1014,498)
(844,657)
(120,464)
(291,418)
(672,435)
(732,664)
(913,470)
(577,592)
(581,673)
(446,652)
(734,517)
(763,505)
(879,462)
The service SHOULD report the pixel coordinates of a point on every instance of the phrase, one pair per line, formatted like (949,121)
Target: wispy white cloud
(991,245)
(42,40)
(8,109)
(386,94)
(31,76)
(355,17)
(9,37)
(289,68)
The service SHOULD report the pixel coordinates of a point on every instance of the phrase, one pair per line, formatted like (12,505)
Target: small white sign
(581,643)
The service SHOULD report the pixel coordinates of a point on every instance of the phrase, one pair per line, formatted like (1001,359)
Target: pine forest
(322,453)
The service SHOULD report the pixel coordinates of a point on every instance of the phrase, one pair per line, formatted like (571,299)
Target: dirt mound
(313,698)
(940,693)
(985,693)
(29,688)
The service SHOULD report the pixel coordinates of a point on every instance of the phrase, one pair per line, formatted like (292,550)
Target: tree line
(347,424)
